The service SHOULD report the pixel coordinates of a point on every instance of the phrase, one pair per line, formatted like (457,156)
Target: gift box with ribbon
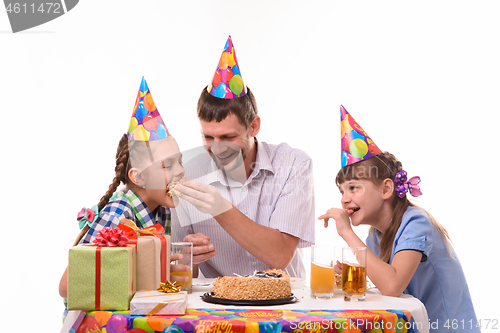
(101,276)
(155,302)
(153,253)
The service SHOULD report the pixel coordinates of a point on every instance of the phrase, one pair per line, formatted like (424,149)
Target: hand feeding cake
(270,284)
(171,188)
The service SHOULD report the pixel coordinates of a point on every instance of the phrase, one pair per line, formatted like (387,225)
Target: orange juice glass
(186,249)
(322,271)
(354,273)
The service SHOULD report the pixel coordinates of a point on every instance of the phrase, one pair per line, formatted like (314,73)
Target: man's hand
(202,251)
(204,197)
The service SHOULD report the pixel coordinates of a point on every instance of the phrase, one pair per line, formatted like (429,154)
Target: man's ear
(136,177)
(254,126)
(387,188)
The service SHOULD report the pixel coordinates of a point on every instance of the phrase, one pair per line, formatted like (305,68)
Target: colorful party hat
(146,123)
(355,142)
(227,82)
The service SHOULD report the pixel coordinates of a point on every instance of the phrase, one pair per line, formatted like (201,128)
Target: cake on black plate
(267,285)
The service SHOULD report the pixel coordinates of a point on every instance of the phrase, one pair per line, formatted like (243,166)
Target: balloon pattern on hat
(355,143)
(146,123)
(227,82)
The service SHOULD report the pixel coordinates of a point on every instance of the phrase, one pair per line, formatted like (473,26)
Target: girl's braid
(121,169)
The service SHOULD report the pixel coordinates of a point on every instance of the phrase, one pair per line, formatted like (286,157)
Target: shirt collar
(262,161)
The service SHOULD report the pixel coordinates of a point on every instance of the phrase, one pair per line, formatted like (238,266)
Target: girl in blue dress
(408,250)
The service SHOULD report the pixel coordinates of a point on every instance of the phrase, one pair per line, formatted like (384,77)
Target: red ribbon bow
(111,237)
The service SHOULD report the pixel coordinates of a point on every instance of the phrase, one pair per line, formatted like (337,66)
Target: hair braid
(121,170)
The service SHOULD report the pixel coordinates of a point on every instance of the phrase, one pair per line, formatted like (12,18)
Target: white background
(422,78)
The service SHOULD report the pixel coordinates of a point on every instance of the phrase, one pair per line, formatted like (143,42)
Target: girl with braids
(408,250)
(147,160)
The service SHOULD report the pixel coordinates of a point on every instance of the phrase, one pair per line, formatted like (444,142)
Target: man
(254,201)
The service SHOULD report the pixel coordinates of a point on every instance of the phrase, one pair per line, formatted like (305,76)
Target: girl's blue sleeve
(415,233)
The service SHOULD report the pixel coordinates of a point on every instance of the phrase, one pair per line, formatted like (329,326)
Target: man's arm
(276,249)
(295,207)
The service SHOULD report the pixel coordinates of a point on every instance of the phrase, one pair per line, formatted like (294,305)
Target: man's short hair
(213,108)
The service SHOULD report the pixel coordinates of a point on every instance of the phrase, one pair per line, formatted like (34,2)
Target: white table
(374,301)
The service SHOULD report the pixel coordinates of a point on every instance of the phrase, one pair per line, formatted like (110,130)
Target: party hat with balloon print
(227,82)
(355,143)
(146,123)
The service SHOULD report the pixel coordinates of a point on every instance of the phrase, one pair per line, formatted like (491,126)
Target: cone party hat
(355,143)
(146,123)
(227,82)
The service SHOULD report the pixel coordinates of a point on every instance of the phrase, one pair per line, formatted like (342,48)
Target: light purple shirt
(278,194)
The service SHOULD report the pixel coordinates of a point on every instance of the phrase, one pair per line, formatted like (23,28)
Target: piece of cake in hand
(267,285)
(171,188)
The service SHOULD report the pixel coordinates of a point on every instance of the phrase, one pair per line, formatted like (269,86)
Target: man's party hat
(146,123)
(227,82)
(355,142)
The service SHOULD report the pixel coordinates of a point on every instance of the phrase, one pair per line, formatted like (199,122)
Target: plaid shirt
(127,205)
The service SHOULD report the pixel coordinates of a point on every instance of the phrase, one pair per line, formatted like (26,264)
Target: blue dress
(439,282)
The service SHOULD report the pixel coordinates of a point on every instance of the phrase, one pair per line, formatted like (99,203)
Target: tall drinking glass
(186,249)
(322,271)
(354,273)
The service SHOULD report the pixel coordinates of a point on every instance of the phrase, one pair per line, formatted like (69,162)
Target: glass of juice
(322,271)
(185,265)
(354,273)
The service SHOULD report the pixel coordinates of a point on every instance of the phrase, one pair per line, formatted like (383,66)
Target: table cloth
(376,314)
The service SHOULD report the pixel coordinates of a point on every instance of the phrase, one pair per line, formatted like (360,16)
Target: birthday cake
(267,285)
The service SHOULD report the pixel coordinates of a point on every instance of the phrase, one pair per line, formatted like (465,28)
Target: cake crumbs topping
(270,284)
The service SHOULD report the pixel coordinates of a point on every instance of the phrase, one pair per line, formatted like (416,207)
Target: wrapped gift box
(152,302)
(153,253)
(101,278)
(153,260)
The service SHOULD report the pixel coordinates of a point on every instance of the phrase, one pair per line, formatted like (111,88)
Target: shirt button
(254,264)
(244,189)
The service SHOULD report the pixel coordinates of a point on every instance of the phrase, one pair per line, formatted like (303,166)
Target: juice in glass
(322,279)
(322,271)
(184,285)
(354,273)
(354,280)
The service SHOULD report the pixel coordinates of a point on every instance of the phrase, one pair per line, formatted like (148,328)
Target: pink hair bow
(404,185)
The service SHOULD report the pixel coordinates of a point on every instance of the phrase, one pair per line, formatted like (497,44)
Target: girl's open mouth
(352,211)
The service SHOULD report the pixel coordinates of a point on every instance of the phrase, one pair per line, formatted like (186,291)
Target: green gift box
(101,278)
